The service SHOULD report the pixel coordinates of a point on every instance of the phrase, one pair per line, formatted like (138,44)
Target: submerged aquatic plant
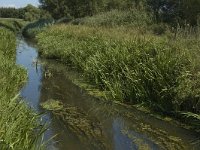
(52,105)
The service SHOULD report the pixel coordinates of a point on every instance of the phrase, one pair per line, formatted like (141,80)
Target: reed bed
(134,69)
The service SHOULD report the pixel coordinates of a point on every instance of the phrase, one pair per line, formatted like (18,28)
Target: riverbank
(19,125)
(12,24)
(147,69)
(81,121)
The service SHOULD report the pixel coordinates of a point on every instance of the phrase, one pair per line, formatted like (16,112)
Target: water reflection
(27,56)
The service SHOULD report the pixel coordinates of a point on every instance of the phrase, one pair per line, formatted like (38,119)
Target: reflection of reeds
(78,122)
(106,111)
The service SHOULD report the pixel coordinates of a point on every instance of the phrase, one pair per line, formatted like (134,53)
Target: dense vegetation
(169,11)
(14,25)
(28,13)
(134,69)
(175,12)
(115,18)
(79,8)
(33,28)
(19,126)
(11,13)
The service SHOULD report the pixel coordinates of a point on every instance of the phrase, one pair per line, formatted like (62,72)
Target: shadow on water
(83,122)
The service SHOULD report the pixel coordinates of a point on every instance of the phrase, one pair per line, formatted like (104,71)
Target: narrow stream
(87,123)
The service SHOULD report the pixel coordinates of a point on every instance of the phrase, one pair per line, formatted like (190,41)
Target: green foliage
(114,18)
(64,20)
(32,29)
(33,13)
(133,69)
(176,12)
(79,8)
(191,118)
(28,13)
(159,29)
(168,11)
(11,13)
(14,25)
(19,125)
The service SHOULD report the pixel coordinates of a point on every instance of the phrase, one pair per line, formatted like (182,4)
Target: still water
(86,123)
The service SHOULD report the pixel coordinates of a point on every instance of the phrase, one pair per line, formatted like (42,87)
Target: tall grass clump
(134,69)
(19,125)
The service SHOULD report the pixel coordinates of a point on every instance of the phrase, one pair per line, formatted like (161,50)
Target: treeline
(12,13)
(82,8)
(168,11)
(28,13)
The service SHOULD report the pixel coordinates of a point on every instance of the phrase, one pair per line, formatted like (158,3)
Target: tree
(33,13)
(11,13)
(57,8)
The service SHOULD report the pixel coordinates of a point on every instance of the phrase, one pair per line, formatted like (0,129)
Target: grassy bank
(32,29)
(14,25)
(138,19)
(19,126)
(134,69)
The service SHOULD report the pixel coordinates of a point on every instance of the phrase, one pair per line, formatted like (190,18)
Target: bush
(14,25)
